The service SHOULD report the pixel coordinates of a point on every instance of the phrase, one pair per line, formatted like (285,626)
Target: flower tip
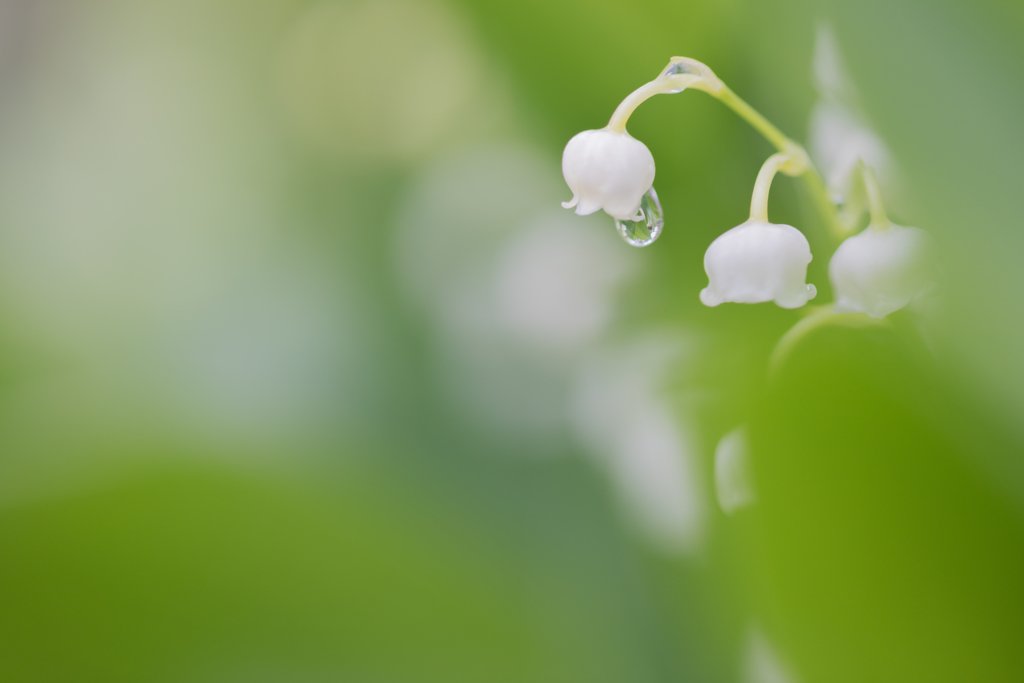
(799,300)
(708,298)
(586,206)
(571,203)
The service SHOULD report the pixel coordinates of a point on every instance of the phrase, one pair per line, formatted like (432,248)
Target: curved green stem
(820,318)
(879,219)
(784,144)
(660,85)
(766,128)
(682,73)
(780,161)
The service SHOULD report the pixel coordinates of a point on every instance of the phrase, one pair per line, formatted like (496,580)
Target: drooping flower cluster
(876,272)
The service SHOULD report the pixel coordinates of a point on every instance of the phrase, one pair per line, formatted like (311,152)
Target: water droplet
(649,223)
(675,69)
(678,68)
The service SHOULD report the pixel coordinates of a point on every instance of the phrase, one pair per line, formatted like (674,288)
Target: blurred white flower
(515,291)
(757,262)
(621,417)
(879,271)
(733,481)
(657,480)
(762,663)
(554,284)
(838,140)
(839,135)
(607,170)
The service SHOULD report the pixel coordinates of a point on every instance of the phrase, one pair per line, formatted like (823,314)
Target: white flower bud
(607,170)
(756,262)
(879,272)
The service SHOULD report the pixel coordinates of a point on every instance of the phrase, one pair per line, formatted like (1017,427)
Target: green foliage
(186,270)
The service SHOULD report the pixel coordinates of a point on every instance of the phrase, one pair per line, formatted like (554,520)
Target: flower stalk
(879,219)
(821,317)
(659,86)
(682,73)
(780,161)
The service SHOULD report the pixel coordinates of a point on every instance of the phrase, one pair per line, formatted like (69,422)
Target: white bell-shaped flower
(879,271)
(607,170)
(758,261)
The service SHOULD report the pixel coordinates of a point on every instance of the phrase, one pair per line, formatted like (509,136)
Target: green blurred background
(306,376)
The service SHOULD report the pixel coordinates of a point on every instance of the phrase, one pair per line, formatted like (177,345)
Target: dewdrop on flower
(610,169)
(607,170)
(614,171)
(759,261)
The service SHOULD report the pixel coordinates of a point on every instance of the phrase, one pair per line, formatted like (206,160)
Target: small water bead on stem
(646,226)
(680,66)
(674,70)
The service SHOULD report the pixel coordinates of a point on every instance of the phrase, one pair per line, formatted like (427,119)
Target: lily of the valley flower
(760,261)
(879,271)
(757,262)
(885,267)
(610,169)
(607,169)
